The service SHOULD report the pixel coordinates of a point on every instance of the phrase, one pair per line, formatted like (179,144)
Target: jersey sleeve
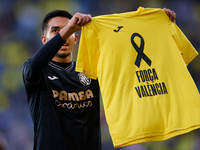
(185,47)
(88,53)
(32,68)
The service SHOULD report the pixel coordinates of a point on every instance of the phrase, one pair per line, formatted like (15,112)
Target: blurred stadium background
(20,32)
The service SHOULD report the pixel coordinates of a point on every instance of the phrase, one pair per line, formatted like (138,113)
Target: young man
(64,104)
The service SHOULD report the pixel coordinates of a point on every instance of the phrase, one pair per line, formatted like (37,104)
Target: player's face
(54,26)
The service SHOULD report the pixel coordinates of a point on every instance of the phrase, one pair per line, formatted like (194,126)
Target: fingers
(75,24)
(78,20)
(170,14)
(83,19)
(166,11)
(174,16)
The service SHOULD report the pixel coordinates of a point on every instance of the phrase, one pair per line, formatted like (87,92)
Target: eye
(55,30)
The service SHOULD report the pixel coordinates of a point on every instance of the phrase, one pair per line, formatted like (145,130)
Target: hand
(79,20)
(75,24)
(170,14)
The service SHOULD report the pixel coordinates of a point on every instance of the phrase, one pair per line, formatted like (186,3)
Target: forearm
(33,69)
(46,53)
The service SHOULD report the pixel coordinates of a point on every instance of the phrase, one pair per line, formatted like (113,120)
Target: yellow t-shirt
(140,59)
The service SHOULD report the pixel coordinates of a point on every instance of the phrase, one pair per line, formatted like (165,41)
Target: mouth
(65,46)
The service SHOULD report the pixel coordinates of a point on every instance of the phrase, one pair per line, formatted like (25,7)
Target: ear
(76,38)
(43,39)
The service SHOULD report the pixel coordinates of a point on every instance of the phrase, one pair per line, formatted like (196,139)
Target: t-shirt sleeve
(185,47)
(88,53)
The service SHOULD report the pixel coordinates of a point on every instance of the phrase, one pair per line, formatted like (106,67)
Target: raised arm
(33,68)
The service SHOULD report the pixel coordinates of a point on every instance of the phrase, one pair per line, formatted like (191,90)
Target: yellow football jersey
(140,59)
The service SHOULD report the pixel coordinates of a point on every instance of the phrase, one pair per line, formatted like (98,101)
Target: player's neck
(63,60)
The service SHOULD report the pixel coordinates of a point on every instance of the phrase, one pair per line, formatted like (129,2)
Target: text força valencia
(151,88)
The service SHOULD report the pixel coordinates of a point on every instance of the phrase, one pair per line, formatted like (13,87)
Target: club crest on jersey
(83,79)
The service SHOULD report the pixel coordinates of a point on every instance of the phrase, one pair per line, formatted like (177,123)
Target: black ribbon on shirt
(139,50)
